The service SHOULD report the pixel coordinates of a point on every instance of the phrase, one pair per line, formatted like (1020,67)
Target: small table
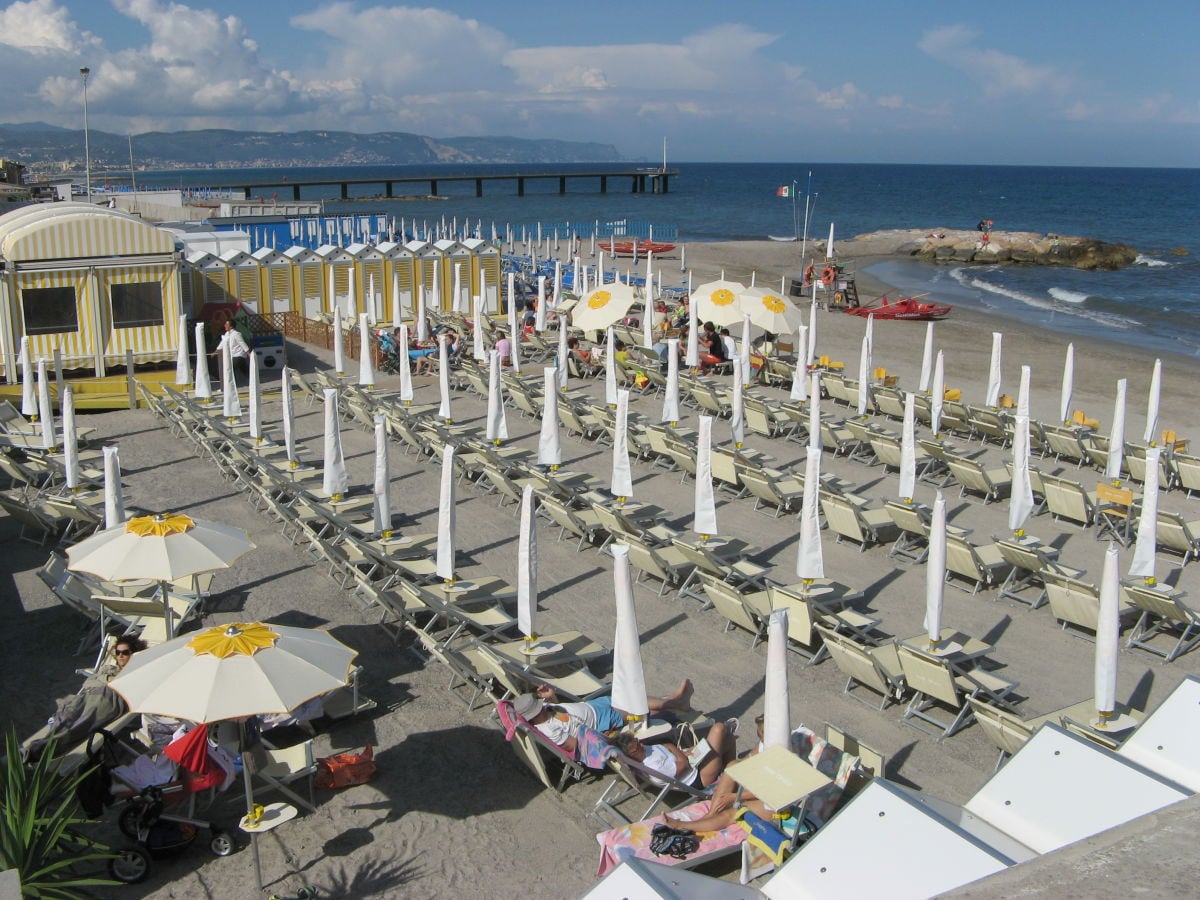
(967,648)
(574,647)
(274,815)
(777,777)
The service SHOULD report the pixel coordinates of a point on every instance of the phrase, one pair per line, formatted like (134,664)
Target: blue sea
(1154,303)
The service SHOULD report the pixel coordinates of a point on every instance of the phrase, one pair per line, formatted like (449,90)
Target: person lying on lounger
(560,722)
(673,762)
(721,809)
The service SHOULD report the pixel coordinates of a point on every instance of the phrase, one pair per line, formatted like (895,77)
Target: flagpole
(804,241)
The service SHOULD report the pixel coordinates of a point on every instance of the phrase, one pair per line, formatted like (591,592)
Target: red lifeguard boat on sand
(625,248)
(904,308)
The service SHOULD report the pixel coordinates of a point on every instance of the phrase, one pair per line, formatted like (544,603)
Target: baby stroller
(389,352)
(159,817)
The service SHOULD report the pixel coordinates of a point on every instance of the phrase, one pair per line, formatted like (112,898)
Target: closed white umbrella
(622,474)
(497,423)
(70,440)
(737,420)
(799,389)
(406,385)
(370,305)
(864,373)
(527,565)
(814,412)
(457,289)
(1020,501)
(255,401)
(114,500)
(446,516)
(397,310)
(478,350)
(1116,437)
(231,400)
(935,572)
(777,717)
(539,320)
(366,371)
(1151,433)
(993,384)
(1147,529)
(289,429)
(829,251)
(335,481)
(444,378)
(351,310)
(514,325)
(45,408)
(610,369)
(549,444)
(670,410)
(1108,627)
(202,388)
(648,311)
(628,680)
(692,355)
(908,450)
(704,522)
(937,395)
(1068,385)
(564,370)
(926,359)
(183,368)
(383,480)
(810,563)
(29,405)
(810,354)
(339,350)
(422,321)
(744,350)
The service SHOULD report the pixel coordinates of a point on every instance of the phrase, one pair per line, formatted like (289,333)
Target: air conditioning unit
(270,351)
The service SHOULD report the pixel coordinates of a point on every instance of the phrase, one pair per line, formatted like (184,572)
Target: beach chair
(774,496)
(666,564)
(35,519)
(861,526)
(1007,730)
(912,527)
(988,425)
(1178,535)
(530,745)
(1068,500)
(936,685)
(1186,471)
(1076,603)
(1028,564)
(875,668)
(581,523)
(730,603)
(981,566)
(1114,513)
(634,780)
(1162,613)
(1066,444)
(992,484)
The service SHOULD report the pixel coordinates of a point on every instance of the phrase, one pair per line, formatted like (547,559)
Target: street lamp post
(84,72)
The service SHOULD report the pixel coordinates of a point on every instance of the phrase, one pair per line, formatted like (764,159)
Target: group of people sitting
(563,723)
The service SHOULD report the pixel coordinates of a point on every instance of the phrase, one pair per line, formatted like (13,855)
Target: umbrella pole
(249,801)
(168,614)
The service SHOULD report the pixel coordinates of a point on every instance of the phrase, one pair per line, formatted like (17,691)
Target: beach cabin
(398,276)
(89,282)
(369,271)
(338,272)
(430,266)
(485,272)
(214,281)
(191,279)
(275,284)
(307,272)
(243,278)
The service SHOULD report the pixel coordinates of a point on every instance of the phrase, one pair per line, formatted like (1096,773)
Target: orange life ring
(827,275)
(808,275)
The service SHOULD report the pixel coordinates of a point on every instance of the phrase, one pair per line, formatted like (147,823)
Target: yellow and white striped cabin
(87,281)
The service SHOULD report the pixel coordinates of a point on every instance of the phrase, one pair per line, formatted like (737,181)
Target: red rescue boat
(625,248)
(904,308)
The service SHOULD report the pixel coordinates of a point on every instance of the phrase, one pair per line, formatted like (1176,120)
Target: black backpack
(676,842)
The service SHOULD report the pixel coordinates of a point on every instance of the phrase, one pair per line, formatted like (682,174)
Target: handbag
(345,769)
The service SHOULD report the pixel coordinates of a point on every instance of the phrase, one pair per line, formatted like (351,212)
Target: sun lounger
(1163,612)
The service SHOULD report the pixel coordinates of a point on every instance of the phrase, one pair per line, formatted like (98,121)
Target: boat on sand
(904,308)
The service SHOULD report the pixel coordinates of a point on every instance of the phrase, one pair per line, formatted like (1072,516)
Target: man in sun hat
(560,722)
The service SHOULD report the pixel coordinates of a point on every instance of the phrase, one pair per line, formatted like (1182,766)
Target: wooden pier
(641,181)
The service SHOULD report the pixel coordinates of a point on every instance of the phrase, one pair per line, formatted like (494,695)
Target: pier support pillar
(433,187)
(387,189)
(562,184)
(478,187)
(520,187)
(345,190)
(296,192)
(604,184)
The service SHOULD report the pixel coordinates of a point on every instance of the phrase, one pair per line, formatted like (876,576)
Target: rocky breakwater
(998,247)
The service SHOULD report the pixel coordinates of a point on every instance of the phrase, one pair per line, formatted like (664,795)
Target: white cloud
(995,71)
(40,27)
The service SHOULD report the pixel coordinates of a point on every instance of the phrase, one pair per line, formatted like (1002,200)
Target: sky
(1018,82)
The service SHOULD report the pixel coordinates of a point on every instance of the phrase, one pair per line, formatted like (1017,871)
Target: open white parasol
(718,302)
(603,306)
(769,310)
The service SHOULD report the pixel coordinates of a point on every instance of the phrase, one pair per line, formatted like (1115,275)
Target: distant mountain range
(46,148)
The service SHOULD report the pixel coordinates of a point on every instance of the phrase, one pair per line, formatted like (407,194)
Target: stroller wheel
(130,865)
(129,820)
(222,843)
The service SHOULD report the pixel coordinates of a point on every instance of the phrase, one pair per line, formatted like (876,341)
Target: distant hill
(41,146)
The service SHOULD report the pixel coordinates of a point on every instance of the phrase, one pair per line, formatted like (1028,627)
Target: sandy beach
(452,812)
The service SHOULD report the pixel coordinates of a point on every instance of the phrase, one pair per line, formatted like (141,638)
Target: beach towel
(633,840)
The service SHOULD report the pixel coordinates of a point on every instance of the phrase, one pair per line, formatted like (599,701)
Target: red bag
(345,769)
